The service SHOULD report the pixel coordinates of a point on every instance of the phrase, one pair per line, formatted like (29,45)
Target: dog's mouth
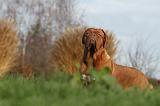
(89,50)
(92,49)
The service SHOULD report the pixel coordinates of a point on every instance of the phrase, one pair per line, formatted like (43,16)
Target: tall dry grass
(8,46)
(67,49)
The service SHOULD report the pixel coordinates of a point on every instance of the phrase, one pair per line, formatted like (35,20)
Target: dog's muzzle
(90,44)
(89,49)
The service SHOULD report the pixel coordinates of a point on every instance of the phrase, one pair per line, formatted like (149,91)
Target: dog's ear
(105,37)
(84,38)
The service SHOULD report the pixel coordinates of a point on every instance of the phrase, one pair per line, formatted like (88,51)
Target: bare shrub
(143,57)
(33,59)
(8,46)
(67,49)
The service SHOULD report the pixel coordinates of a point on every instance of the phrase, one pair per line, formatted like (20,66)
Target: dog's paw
(87,79)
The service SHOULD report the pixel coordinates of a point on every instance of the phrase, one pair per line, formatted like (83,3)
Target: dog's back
(128,77)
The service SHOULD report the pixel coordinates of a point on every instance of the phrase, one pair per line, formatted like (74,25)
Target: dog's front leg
(84,64)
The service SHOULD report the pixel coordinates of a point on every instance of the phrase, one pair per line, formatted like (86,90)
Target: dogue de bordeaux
(94,41)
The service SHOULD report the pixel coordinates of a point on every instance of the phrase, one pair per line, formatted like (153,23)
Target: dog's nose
(92,41)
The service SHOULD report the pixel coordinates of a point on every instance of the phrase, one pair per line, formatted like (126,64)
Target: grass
(61,89)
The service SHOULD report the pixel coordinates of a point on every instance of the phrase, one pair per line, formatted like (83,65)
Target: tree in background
(36,56)
(55,15)
(143,57)
(66,15)
(38,21)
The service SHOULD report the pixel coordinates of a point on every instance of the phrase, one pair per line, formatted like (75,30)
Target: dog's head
(94,38)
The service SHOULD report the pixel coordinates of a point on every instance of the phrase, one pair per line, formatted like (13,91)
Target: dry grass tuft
(67,49)
(8,46)
(111,44)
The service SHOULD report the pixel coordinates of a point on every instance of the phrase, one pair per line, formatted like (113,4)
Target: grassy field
(63,90)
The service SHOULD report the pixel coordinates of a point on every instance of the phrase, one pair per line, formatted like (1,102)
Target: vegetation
(50,39)
(61,89)
(67,50)
(34,55)
(38,23)
(8,46)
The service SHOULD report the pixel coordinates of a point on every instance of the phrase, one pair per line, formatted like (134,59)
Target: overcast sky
(128,19)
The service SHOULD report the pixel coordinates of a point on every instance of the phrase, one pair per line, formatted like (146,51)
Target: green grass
(63,90)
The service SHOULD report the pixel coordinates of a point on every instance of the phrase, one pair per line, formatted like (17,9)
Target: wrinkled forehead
(94,31)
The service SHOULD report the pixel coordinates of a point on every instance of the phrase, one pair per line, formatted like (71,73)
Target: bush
(67,50)
(34,52)
(8,46)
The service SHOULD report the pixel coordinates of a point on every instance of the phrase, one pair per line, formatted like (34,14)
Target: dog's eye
(86,34)
(98,37)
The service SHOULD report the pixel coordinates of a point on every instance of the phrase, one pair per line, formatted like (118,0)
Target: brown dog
(94,41)
(126,76)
